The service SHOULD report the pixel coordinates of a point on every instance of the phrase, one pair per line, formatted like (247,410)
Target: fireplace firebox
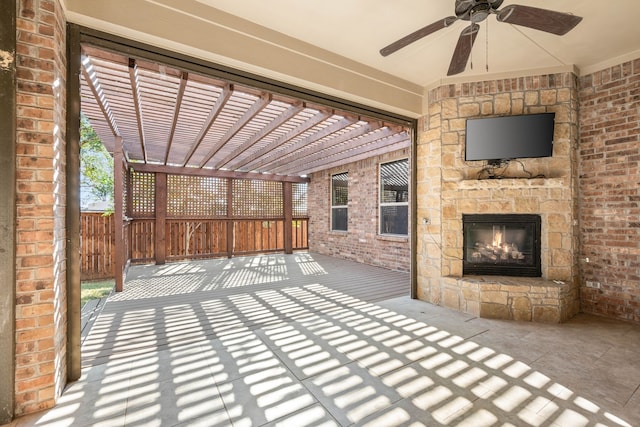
(501,244)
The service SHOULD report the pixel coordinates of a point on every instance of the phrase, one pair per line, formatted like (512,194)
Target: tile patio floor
(307,340)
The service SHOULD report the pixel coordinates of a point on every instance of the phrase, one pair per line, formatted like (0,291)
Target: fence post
(287,199)
(161,218)
(118,184)
(230,221)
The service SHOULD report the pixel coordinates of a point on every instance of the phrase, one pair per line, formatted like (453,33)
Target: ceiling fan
(476,11)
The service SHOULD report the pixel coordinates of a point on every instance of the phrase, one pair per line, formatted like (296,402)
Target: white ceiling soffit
(168,117)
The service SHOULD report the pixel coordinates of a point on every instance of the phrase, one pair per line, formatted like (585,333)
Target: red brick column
(40,372)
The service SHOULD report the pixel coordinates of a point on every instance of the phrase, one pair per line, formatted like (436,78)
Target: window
(394,197)
(339,200)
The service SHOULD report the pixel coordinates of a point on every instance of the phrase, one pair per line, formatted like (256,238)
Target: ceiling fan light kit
(476,11)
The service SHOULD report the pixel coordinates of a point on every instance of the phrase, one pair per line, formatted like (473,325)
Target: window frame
(332,206)
(382,204)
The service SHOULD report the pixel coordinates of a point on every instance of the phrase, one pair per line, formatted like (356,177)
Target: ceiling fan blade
(417,35)
(546,20)
(463,49)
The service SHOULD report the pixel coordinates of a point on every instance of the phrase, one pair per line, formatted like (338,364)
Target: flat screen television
(503,138)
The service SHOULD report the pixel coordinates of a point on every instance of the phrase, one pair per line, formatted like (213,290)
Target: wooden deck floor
(182,303)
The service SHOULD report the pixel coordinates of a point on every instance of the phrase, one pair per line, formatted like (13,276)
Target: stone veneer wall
(40,230)
(610,191)
(448,187)
(361,242)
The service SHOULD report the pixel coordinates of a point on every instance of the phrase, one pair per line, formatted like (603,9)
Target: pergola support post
(287,202)
(118,184)
(230,221)
(160,249)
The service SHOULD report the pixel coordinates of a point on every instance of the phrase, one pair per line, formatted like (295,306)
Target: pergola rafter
(91,79)
(184,78)
(303,156)
(276,157)
(380,146)
(227,91)
(289,136)
(291,111)
(137,104)
(262,102)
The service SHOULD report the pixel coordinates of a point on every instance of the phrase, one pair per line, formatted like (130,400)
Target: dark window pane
(339,219)
(394,220)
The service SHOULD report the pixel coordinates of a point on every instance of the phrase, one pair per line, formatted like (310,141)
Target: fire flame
(497,239)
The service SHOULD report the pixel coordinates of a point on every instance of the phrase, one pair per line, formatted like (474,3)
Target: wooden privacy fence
(185,239)
(194,239)
(97,236)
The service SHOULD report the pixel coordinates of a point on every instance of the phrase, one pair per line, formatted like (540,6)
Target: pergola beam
(184,78)
(257,106)
(137,104)
(177,170)
(275,124)
(226,93)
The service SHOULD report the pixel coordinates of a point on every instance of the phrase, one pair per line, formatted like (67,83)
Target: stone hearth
(513,298)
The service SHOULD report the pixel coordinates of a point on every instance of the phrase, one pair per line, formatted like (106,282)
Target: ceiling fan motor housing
(476,10)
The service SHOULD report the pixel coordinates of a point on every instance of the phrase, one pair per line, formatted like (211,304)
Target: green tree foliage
(96,164)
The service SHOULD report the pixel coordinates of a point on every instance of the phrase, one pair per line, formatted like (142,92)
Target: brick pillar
(40,353)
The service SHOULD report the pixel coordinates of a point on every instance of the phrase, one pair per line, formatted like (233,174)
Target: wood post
(118,184)
(287,204)
(230,221)
(7,209)
(161,218)
(72,221)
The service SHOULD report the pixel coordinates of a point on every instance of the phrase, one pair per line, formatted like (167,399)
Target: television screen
(512,137)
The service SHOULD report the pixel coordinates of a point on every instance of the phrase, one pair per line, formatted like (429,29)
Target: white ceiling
(358,29)
(332,46)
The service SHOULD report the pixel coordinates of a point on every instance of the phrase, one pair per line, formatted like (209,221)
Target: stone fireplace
(456,269)
(501,244)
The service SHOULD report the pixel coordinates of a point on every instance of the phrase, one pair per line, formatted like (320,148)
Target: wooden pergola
(163,121)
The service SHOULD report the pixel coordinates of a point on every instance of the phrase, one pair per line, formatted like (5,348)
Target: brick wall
(610,191)
(40,242)
(361,242)
(449,186)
